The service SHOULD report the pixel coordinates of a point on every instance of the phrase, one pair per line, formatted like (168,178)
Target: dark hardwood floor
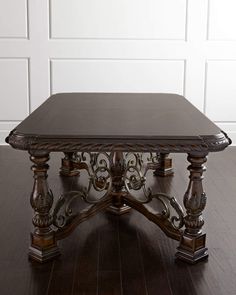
(125,255)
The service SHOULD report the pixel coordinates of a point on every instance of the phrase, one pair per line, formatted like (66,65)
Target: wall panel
(123,19)
(14,89)
(13,19)
(222,20)
(221,90)
(117,76)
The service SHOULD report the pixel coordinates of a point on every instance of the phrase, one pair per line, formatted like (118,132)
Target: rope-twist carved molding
(200,144)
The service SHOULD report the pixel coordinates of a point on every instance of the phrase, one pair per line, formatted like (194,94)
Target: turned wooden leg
(192,243)
(43,243)
(164,165)
(117,169)
(67,165)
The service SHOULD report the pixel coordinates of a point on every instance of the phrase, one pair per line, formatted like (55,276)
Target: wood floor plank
(61,281)
(133,280)
(85,277)
(40,277)
(109,273)
(157,279)
(109,257)
(109,283)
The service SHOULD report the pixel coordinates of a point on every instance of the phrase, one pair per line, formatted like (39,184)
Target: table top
(118,121)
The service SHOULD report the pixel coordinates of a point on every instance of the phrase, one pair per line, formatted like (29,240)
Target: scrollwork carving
(176,221)
(97,166)
(135,179)
(63,212)
(117,176)
(135,175)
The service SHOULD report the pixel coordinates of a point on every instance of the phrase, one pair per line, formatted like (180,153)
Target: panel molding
(205,87)
(208,21)
(16,38)
(27,83)
(117,38)
(207,62)
(209,26)
(183,61)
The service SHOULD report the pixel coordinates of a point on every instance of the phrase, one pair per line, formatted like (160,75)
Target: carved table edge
(200,144)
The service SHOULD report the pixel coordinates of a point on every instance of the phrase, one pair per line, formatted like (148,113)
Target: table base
(116,176)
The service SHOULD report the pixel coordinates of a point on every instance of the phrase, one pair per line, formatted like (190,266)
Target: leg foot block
(164,166)
(164,172)
(192,249)
(192,258)
(43,248)
(43,255)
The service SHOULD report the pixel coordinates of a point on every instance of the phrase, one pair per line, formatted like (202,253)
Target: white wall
(182,46)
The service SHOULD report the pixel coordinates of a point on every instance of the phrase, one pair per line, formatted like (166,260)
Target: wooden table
(108,136)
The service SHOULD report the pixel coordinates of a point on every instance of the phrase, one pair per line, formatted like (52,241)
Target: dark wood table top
(118,121)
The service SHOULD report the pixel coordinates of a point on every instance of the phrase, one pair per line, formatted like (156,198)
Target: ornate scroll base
(113,179)
(68,165)
(165,166)
(118,175)
(192,249)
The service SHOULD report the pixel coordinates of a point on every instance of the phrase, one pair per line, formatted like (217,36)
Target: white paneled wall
(179,46)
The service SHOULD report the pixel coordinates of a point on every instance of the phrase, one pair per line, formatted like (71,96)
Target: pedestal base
(118,210)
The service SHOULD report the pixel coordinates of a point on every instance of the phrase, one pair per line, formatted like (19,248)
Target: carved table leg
(67,165)
(192,243)
(165,166)
(43,243)
(117,170)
